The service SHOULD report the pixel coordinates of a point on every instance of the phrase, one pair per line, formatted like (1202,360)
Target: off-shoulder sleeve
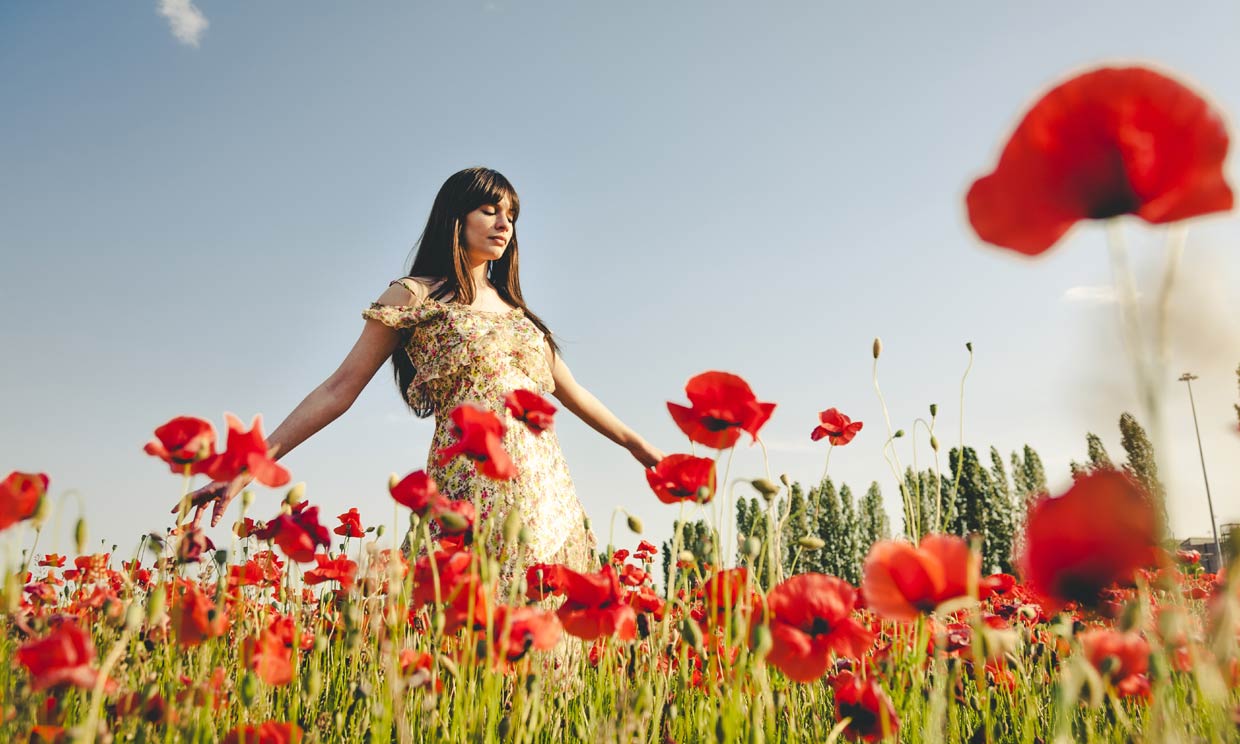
(395,316)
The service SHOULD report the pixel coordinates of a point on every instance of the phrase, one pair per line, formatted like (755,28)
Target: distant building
(1210,559)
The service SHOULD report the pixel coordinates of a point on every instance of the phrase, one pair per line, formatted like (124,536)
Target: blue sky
(192,224)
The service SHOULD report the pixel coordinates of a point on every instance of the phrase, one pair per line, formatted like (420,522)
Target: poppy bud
(934,443)
(393,481)
(765,487)
(248,689)
(512,525)
(969,345)
(703,494)
(751,547)
(762,641)
(523,536)
(312,683)
(783,478)
(134,616)
(635,524)
(899,433)
(247,499)
(809,542)
(12,592)
(379,531)
(934,410)
(295,494)
(453,522)
(41,510)
(1131,616)
(692,634)
(156,602)
(878,347)
(685,556)
(79,535)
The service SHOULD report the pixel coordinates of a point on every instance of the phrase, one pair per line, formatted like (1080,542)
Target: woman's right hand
(221,493)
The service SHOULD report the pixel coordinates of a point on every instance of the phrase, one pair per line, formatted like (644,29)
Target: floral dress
(466,355)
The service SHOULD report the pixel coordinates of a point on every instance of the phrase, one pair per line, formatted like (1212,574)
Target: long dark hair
(441,255)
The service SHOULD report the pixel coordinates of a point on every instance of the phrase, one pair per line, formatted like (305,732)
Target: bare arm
(591,410)
(323,405)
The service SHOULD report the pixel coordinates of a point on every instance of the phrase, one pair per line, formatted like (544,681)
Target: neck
(478,273)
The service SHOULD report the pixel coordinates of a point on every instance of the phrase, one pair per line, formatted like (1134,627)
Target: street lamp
(1187,378)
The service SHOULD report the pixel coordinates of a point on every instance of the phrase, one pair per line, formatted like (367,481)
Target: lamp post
(1187,378)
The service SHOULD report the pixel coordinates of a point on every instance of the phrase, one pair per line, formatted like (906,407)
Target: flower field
(310,629)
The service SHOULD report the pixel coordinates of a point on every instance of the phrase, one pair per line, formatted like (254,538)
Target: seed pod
(783,478)
(878,347)
(751,547)
(765,487)
(635,524)
(809,542)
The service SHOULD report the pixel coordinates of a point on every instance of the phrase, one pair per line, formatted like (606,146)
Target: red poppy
(838,428)
(417,491)
(298,533)
(594,604)
(519,629)
(1130,659)
(721,407)
(195,618)
(902,581)
(871,712)
(55,560)
(455,517)
(185,440)
(265,733)
(454,584)
(192,545)
(1108,142)
(480,435)
(1071,554)
(269,656)
(530,408)
(350,524)
(339,569)
(811,618)
(678,478)
(19,496)
(63,657)
(247,452)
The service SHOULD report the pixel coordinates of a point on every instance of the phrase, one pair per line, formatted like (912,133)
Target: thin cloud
(185,19)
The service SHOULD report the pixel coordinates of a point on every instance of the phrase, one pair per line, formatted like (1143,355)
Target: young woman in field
(457,330)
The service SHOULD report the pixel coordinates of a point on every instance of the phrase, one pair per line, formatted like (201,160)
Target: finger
(198,510)
(220,507)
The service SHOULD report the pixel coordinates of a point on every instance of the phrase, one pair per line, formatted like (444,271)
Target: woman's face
(488,230)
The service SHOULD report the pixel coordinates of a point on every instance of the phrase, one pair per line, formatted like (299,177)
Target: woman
(458,331)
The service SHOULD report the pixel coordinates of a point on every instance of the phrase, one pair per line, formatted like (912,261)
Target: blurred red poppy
(678,478)
(269,656)
(192,545)
(1108,142)
(1071,554)
(517,630)
(265,733)
(721,406)
(836,427)
(350,524)
(195,618)
(872,714)
(298,533)
(247,452)
(453,583)
(19,496)
(339,569)
(62,657)
(811,618)
(901,581)
(54,560)
(185,440)
(531,409)
(1123,658)
(480,436)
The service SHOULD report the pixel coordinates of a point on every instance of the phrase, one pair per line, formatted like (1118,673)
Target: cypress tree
(872,524)
(850,547)
(795,526)
(1001,520)
(1098,457)
(1141,464)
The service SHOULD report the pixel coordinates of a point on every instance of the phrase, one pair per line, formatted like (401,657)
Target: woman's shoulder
(408,290)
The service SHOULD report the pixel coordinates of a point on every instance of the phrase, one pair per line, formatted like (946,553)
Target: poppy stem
(1121,273)
(911,529)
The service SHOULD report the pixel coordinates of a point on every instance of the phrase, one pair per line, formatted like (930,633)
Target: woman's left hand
(645,453)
